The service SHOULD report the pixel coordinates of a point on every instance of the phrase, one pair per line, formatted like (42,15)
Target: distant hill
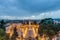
(57,19)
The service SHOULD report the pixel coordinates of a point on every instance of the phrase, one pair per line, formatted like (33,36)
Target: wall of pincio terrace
(24,31)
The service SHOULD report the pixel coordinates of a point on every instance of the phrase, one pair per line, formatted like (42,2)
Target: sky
(29,9)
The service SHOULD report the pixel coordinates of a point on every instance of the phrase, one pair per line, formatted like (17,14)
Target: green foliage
(47,21)
(47,27)
(2,23)
(58,27)
(3,35)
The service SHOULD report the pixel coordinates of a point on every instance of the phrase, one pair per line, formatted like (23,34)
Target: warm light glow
(23,30)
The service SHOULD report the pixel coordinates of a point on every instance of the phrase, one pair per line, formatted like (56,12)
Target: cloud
(12,11)
(51,14)
(41,5)
(7,17)
(30,9)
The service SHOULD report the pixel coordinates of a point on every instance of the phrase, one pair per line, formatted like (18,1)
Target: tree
(3,35)
(58,27)
(47,27)
(47,21)
(2,23)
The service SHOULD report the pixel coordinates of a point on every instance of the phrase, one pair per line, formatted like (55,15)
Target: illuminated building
(24,31)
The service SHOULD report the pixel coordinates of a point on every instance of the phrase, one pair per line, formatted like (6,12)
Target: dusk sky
(29,9)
